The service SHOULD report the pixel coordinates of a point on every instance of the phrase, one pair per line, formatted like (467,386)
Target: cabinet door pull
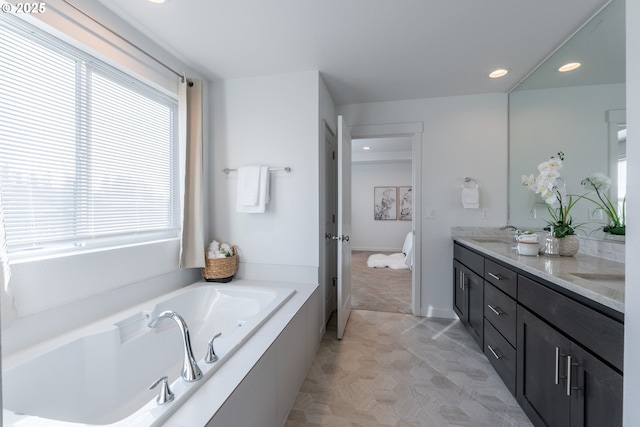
(493,351)
(495,276)
(497,311)
(558,356)
(462,280)
(570,364)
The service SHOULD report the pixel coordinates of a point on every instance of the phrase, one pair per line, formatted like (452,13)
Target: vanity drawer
(469,258)
(501,356)
(500,311)
(599,333)
(501,277)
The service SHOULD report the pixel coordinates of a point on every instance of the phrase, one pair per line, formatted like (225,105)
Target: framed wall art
(384,203)
(405,203)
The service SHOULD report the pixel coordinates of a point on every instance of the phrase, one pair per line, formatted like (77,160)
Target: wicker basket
(221,270)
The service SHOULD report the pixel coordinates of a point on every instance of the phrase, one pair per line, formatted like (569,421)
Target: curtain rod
(182,77)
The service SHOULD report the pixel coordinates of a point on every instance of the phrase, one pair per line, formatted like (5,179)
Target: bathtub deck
(205,402)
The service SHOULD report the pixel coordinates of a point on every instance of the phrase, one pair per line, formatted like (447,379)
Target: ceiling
(383,145)
(366,50)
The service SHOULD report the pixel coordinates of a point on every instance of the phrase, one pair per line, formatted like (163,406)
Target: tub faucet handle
(166,395)
(211,356)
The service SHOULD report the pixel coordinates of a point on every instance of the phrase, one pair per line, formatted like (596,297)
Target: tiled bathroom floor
(394,369)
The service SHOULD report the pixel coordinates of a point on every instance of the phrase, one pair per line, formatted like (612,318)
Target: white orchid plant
(550,186)
(600,183)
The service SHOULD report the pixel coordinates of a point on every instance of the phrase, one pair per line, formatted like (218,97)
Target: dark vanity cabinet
(468,291)
(500,322)
(559,354)
(570,363)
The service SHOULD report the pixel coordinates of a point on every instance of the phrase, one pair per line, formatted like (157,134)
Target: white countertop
(605,284)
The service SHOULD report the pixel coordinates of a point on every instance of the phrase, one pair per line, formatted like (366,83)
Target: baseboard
(394,250)
(444,313)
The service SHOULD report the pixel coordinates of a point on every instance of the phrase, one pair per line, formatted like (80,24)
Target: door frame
(413,130)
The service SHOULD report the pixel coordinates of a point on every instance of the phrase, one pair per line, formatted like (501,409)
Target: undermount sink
(603,277)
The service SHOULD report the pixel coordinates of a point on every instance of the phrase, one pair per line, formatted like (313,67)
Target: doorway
(381,232)
(412,131)
(328,273)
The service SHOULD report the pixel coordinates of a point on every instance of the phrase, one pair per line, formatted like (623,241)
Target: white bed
(407,250)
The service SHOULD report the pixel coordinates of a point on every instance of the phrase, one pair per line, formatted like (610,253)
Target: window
(88,154)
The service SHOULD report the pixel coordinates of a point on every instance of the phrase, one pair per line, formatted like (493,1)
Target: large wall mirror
(580,112)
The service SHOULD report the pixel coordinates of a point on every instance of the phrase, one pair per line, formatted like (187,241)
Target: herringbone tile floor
(394,369)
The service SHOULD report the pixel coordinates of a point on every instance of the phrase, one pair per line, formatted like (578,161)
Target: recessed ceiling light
(569,67)
(159,1)
(366,147)
(501,72)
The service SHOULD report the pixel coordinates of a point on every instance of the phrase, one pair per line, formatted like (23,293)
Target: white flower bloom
(597,181)
(528,180)
(551,199)
(544,186)
(550,175)
(555,163)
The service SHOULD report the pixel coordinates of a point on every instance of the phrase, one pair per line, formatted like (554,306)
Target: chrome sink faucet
(510,227)
(516,232)
(190,369)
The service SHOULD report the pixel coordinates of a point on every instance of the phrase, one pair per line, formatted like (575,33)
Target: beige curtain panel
(192,242)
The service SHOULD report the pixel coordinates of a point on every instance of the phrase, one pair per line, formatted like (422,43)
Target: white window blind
(88,155)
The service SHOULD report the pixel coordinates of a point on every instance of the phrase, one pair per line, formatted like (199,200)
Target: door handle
(497,311)
(570,364)
(558,356)
(493,351)
(345,238)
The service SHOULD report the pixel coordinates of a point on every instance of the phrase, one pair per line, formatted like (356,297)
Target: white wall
(271,120)
(55,295)
(545,121)
(463,136)
(367,234)
(632,284)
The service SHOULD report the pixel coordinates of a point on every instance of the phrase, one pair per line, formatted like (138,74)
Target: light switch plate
(430,213)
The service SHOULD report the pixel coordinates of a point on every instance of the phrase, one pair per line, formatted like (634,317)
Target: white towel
(253,189)
(470,198)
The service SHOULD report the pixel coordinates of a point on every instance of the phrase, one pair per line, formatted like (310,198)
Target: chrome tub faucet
(190,369)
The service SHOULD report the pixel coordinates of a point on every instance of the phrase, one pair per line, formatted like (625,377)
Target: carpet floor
(379,289)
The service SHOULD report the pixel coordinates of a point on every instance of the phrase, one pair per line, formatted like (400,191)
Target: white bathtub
(100,374)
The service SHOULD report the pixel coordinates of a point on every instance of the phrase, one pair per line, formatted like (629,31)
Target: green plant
(600,183)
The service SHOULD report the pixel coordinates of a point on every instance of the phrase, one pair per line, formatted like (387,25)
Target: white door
(344,226)
(331,223)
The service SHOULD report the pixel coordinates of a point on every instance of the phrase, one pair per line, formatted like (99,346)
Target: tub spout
(190,369)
